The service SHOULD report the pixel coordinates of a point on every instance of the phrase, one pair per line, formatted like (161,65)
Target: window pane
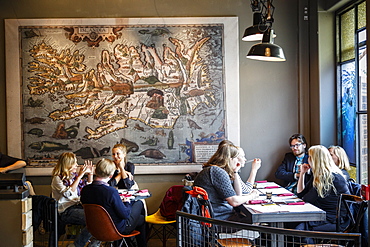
(347,40)
(363,148)
(361,22)
(362,77)
(348,109)
(362,36)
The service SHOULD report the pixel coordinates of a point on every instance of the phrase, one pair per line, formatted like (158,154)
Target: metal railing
(193,230)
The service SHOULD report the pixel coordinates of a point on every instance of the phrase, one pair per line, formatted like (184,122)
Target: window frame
(359,113)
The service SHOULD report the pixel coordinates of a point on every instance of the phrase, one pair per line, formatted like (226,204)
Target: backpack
(191,205)
(201,233)
(171,202)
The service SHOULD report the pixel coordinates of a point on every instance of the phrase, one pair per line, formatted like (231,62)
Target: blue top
(123,183)
(106,196)
(346,174)
(218,185)
(329,202)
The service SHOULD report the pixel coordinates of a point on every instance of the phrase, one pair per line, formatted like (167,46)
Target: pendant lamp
(255,32)
(267,50)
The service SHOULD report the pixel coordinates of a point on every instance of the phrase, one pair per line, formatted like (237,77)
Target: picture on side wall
(156,88)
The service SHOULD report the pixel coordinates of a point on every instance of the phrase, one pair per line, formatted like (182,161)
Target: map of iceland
(151,88)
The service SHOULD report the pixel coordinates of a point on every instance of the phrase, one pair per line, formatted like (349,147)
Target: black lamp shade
(267,50)
(254,33)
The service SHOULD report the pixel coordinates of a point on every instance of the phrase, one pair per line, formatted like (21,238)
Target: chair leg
(148,232)
(123,241)
(161,231)
(119,243)
(164,235)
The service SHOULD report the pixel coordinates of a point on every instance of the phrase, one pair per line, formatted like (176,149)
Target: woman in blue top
(323,189)
(223,185)
(123,177)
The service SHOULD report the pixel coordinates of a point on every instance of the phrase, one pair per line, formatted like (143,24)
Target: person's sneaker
(71,245)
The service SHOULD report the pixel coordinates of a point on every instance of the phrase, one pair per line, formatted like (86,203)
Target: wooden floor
(157,243)
(41,240)
(151,243)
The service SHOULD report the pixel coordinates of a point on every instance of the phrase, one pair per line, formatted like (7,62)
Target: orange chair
(101,226)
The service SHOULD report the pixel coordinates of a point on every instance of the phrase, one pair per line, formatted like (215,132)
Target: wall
(327,78)
(269,93)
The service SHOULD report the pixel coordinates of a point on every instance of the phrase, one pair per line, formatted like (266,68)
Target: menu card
(275,191)
(281,208)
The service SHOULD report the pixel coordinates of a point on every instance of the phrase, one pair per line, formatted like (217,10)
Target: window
(352,85)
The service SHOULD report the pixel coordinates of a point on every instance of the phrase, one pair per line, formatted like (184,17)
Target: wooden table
(276,211)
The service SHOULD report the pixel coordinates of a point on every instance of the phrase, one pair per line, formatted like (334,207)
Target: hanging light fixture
(255,32)
(266,50)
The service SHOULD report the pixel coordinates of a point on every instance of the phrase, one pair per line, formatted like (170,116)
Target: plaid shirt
(292,186)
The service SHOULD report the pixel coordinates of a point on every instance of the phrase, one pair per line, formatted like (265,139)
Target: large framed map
(160,86)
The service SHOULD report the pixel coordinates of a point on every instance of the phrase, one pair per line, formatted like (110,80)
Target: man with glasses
(289,170)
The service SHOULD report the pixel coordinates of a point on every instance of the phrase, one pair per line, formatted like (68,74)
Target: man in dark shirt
(289,170)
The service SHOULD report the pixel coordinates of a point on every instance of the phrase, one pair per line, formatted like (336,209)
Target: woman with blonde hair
(123,177)
(340,158)
(220,179)
(66,186)
(323,189)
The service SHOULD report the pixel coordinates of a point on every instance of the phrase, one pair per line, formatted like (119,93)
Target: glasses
(297,145)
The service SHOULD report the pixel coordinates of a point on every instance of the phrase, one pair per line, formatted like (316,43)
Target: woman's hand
(126,199)
(123,173)
(129,175)
(237,168)
(256,164)
(304,168)
(254,194)
(87,167)
(254,168)
(236,201)
(121,164)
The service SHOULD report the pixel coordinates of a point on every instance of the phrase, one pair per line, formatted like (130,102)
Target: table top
(284,206)
(134,194)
